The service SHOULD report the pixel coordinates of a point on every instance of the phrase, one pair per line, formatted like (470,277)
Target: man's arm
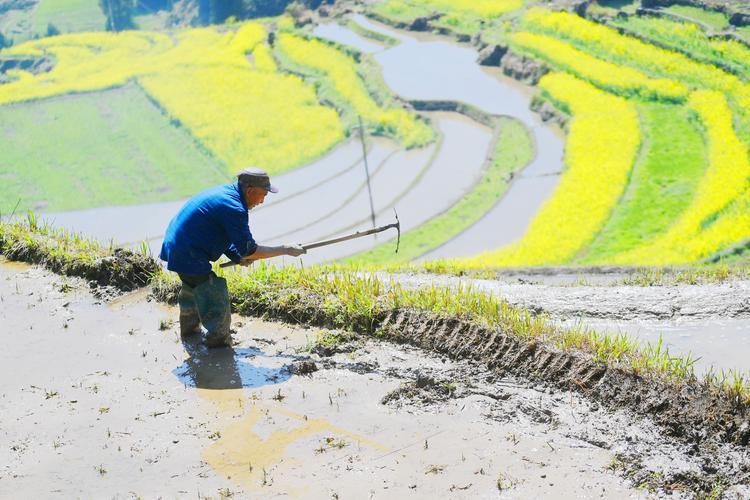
(266,252)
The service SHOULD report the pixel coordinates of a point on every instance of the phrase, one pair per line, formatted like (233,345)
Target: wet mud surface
(710,322)
(103,399)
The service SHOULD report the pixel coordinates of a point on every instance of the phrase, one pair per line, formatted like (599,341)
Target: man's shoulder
(222,195)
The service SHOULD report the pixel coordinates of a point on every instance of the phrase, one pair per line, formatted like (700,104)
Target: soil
(34,65)
(114,404)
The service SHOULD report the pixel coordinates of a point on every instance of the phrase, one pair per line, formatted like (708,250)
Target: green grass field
(690,39)
(514,150)
(399,12)
(69,16)
(716,20)
(662,184)
(97,149)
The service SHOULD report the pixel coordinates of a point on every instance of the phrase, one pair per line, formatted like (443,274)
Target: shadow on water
(227,368)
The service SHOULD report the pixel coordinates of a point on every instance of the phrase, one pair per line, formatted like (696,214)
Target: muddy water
(453,74)
(721,344)
(431,190)
(99,400)
(129,225)
(103,400)
(709,321)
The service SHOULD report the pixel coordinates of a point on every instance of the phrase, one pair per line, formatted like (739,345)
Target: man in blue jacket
(211,224)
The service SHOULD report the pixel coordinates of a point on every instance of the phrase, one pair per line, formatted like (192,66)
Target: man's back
(212,223)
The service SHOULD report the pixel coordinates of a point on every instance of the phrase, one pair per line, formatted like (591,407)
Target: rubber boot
(190,321)
(214,308)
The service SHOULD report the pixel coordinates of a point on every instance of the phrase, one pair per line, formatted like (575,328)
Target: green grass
(700,275)
(679,36)
(715,20)
(397,11)
(386,40)
(151,22)
(513,151)
(459,24)
(661,186)
(69,16)
(98,149)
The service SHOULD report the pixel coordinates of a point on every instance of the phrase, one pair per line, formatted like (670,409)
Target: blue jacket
(212,223)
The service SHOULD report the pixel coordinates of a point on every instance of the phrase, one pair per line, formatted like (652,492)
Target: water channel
(426,67)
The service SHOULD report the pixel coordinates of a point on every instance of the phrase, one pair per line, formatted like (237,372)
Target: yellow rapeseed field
(340,69)
(719,215)
(630,51)
(244,114)
(263,58)
(612,77)
(602,145)
(481,8)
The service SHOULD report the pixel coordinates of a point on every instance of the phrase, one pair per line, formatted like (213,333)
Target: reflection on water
(723,344)
(228,368)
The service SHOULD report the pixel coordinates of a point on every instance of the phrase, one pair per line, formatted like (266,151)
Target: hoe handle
(317,244)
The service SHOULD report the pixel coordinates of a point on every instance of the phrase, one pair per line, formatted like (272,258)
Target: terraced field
(222,88)
(657,107)
(660,107)
(80,150)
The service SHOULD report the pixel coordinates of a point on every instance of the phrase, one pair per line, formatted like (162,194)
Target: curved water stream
(425,67)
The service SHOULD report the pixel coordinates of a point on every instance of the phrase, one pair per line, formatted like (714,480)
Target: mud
(34,65)
(686,411)
(113,406)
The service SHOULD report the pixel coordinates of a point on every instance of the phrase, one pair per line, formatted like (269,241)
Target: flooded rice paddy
(710,322)
(329,197)
(103,397)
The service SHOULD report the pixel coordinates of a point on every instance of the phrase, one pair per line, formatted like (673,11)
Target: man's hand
(295,250)
(265,252)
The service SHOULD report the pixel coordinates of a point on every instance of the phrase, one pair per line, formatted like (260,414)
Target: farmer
(213,223)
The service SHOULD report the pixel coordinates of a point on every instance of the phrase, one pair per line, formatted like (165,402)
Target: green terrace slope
(102,148)
(664,180)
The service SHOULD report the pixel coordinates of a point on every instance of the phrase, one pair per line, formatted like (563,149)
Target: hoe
(359,234)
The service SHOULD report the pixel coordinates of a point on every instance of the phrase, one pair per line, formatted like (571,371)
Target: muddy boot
(190,321)
(214,308)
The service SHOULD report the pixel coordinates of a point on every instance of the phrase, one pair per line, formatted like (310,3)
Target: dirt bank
(103,399)
(709,301)
(118,268)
